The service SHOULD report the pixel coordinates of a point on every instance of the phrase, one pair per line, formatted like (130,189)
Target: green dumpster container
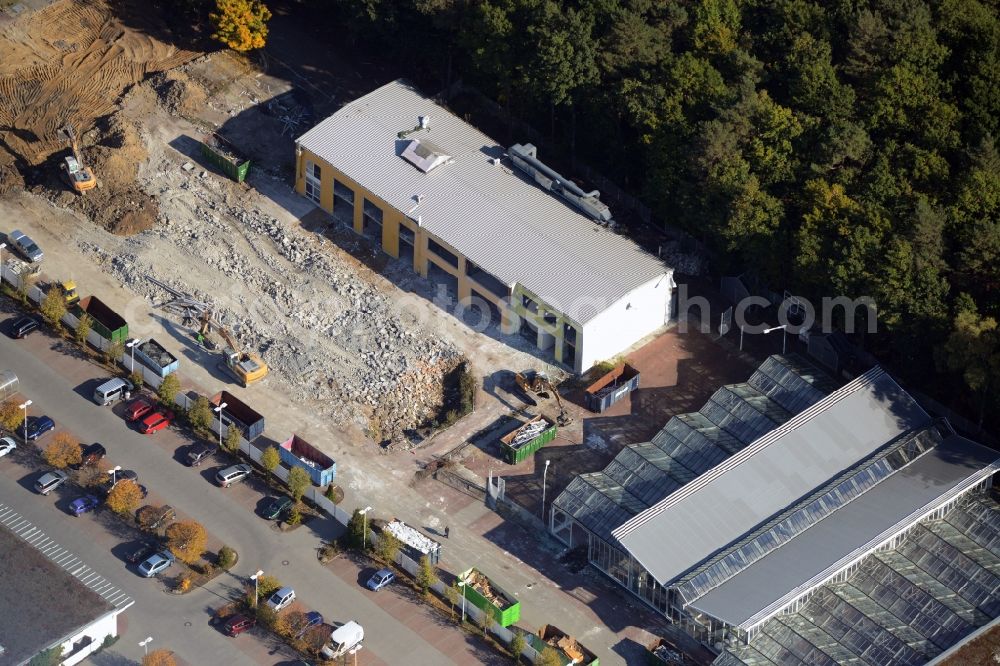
(516,451)
(484,594)
(225,156)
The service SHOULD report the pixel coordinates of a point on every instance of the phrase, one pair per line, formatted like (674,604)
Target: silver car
(156,563)
(231,475)
(50,481)
(25,246)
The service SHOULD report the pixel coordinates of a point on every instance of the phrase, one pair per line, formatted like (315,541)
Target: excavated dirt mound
(178,94)
(70,63)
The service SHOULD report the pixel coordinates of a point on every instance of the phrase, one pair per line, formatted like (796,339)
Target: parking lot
(398,628)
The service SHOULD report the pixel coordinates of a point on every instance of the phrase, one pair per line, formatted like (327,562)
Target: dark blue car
(38,426)
(312,619)
(82,505)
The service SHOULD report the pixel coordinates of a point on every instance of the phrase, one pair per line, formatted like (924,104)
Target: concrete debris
(187,166)
(528,433)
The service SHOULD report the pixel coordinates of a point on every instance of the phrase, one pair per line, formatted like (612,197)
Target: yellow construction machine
(80,176)
(248,368)
(538,383)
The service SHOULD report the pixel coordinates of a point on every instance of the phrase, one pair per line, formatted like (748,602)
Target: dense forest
(845,147)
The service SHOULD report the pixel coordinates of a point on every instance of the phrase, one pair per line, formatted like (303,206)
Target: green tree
(972,350)
(240,24)
(83,326)
(355,535)
(454,596)
(53,307)
(200,414)
(113,353)
(517,644)
(387,547)
(227,558)
(270,459)
(426,576)
(168,389)
(298,483)
(137,379)
(51,657)
(266,586)
(231,441)
(548,657)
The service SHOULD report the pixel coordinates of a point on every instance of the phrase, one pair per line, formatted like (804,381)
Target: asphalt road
(59,385)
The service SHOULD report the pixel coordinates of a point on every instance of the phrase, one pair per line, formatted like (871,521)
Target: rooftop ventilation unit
(425,156)
(525,158)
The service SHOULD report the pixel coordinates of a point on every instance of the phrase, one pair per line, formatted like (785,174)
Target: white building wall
(98,631)
(639,313)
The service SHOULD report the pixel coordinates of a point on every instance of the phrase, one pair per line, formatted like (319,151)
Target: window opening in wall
(313,183)
(343,203)
(442,252)
(372,222)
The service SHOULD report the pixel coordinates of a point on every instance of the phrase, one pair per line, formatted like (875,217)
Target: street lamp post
(544,474)
(254,579)
(784,335)
(461,585)
(132,344)
(114,474)
(24,407)
(364,525)
(218,410)
(144,644)
(2,246)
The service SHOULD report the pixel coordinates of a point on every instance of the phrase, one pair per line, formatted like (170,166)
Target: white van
(112,391)
(344,639)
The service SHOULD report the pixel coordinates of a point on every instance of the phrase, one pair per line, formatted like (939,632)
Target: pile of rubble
(335,338)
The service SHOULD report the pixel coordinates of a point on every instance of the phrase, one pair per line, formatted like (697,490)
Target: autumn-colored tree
(266,586)
(231,442)
(240,24)
(200,414)
(270,459)
(159,657)
(82,330)
(125,497)
(63,451)
(548,657)
(53,307)
(517,645)
(387,547)
(114,353)
(11,415)
(187,540)
(426,576)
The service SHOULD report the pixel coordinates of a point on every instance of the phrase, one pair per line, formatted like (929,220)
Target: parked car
(312,619)
(6,446)
(237,624)
(138,408)
(277,507)
(50,481)
(281,599)
(92,454)
(112,391)
(38,426)
(199,453)
(82,505)
(156,421)
(380,579)
(122,475)
(156,563)
(140,551)
(27,247)
(231,475)
(22,327)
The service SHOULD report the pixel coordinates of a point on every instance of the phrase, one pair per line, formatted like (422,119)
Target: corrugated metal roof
(494,216)
(779,576)
(776,470)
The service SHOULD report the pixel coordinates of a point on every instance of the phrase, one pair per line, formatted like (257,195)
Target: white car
(281,599)
(231,475)
(6,446)
(156,563)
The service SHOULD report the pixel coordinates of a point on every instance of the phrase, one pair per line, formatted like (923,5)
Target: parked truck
(487,596)
(569,649)
(152,355)
(296,452)
(527,438)
(105,322)
(237,413)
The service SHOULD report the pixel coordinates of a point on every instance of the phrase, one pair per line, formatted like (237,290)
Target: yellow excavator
(80,176)
(538,383)
(247,367)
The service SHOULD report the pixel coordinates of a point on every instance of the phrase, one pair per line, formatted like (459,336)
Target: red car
(158,420)
(138,408)
(237,624)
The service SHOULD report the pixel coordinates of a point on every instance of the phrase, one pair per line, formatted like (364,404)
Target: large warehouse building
(789,521)
(502,230)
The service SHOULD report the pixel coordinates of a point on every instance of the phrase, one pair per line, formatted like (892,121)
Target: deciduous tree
(270,459)
(53,307)
(426,576)
(200,414)
(82,330)
(161,657)
(187,540)
(64,450)
(298,482)
(168,389)
(240,24)
(125,497)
